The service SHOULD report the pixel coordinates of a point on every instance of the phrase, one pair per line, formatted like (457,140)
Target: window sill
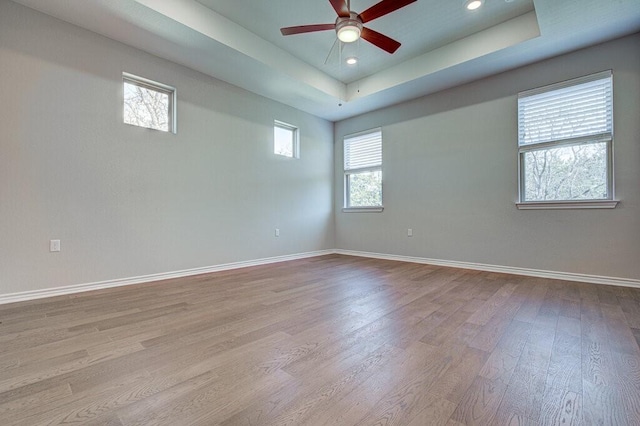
(549,205)
(363,209)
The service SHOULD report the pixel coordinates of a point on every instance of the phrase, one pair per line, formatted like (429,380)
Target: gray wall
(450,174)
(126,201)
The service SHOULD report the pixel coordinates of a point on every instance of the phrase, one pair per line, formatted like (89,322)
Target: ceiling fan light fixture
(349,29)
(473,4)
(349,34)
(349,25)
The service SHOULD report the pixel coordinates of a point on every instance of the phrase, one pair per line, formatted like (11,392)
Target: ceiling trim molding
(205,21)
(501,36)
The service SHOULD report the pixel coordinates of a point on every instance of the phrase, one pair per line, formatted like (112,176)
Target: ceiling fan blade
(341,8)
(307,29)
(383,8)
(380,40)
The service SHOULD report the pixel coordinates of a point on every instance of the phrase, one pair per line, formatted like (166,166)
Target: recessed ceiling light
(352,60)
(473,4)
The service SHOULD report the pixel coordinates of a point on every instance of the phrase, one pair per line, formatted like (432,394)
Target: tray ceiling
(442,43)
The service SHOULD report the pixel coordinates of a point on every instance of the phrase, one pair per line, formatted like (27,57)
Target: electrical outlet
(409,232)
(277,232)
(54,245)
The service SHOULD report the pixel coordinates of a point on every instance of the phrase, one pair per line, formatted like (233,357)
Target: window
(363,171)
(149,104)
(565,137)
(285,139)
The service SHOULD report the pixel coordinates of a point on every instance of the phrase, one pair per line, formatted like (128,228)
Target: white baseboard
(59,291)
(567,276)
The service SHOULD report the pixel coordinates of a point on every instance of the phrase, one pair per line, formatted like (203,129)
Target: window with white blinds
(567,111)
(363,170)
(565,141)
(363,150)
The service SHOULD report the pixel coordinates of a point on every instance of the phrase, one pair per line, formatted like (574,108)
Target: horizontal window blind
(570,110)
(363,150)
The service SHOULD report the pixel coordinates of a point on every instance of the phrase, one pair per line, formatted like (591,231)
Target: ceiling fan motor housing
(349,28)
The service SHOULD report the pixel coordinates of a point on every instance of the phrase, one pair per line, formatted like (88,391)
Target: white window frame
(157,87)
(369,168)
(523,149)
(295,149)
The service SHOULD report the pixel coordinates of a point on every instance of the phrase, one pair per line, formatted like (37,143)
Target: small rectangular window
(285,140)
(565,137)
(148,103)
(363,170)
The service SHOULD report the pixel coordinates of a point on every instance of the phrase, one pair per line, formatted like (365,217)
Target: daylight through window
(363,169)
(148,104)
(565,141)
(285,139)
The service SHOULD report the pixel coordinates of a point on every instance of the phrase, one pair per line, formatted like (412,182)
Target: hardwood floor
(328,340)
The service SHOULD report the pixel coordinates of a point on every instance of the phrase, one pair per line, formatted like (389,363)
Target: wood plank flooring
(332,340)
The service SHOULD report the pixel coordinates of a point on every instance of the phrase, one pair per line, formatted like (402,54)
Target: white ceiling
(422,26)
(443,45)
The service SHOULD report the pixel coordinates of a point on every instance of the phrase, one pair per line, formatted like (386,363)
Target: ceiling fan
(349,25)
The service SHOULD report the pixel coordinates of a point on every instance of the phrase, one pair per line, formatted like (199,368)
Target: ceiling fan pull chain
(333,46)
